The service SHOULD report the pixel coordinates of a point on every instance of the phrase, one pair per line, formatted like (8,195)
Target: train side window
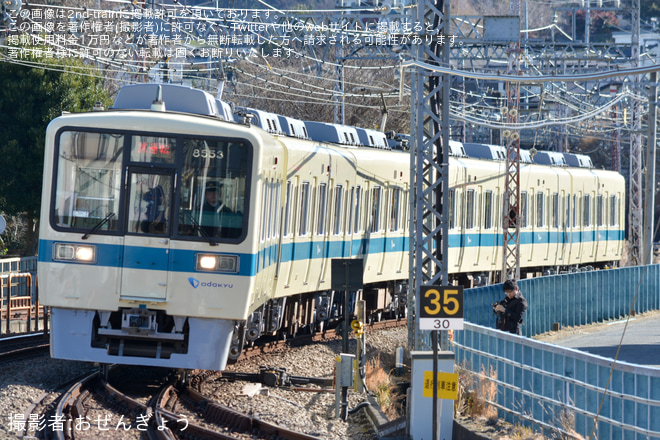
(488,210)
(358,205)
(540,210)
(375,209)
(469,209)
(567,200)
(586,214)
(613,211)
(349,207)
(523,209)
(395,209)
(339,211)
(452,208)
(276,194)
(554,213)
(264,210)
(287,210)
(576,211)
(599,210)
(304,208)
(322,208)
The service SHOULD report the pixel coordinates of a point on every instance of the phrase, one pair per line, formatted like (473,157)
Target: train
(176,228)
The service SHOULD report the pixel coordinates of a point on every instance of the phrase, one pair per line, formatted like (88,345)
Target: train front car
(145,254)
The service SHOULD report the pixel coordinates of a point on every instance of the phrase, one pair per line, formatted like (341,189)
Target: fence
(545,385)
(20,310)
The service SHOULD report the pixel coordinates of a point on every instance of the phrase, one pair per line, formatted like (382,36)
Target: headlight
(74,252)
(217,263)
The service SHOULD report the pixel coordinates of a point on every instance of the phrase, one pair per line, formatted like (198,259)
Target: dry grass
(474,393)
(385,387)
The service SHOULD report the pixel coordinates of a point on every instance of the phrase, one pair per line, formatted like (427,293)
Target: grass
(384,386)
(474,393)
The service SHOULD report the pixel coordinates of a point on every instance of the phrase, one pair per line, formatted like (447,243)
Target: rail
(20,310)
(542,385)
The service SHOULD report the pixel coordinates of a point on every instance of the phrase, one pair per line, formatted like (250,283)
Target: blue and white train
(136,268)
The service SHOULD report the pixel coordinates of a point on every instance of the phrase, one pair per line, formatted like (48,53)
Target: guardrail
(20,310)
(545,385)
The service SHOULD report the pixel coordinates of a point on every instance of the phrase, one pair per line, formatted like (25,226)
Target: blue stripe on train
(184,260)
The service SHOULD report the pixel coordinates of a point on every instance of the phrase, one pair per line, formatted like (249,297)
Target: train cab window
(304,209)
(89,182)
(338,224)
(153,149)
(523,209)
(395,208)
(214,188)
(374,220)
(488,210)
(586,212)
(614,214)
(540,210)
(149,203)
(322,208)
(600,220)
(469,209)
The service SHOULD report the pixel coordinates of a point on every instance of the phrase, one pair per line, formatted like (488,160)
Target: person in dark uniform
(213,200)
(511,309)
(213,209)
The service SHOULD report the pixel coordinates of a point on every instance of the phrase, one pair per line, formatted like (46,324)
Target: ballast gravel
(23,382)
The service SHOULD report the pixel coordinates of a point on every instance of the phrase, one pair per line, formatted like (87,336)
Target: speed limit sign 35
(441,308)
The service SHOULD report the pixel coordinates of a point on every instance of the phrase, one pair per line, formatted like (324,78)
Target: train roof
(493,152)
(185,99)
(372,138)
(175,97)
(335,133)
(266,120)
(293,127)
(549,158)
(578,160)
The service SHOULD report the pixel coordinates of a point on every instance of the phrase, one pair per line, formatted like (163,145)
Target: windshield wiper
(198,228)
(98,225)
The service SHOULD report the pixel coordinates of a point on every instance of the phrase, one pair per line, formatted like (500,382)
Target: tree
(30,97)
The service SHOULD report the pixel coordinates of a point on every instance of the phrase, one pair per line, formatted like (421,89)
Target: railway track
(23,346)
(175,411)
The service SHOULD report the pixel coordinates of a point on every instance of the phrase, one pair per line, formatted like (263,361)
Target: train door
(146,252)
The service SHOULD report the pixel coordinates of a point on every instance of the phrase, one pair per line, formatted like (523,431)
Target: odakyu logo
(196,283)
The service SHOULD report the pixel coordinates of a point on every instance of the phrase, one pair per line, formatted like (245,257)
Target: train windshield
(211,194)
(88,180)
(213,188)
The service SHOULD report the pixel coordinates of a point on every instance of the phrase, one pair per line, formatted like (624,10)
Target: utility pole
(647,256)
